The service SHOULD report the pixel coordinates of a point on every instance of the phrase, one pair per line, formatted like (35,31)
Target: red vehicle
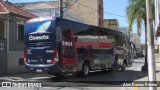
(60,46)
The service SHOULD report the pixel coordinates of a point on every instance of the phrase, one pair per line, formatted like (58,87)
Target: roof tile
(6,7)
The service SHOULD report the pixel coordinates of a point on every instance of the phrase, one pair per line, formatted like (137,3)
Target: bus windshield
(39,26)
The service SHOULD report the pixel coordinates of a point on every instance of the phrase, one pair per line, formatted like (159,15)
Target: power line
(71,6)
(117,5)
(46,13)
(97,10)
(88,7)
(23,1)
(39,13)
(115,14)
(61,8)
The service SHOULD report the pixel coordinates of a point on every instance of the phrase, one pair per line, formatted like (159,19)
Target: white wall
(13,62)
(157,14)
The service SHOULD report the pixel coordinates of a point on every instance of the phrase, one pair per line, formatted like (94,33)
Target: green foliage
(136,11)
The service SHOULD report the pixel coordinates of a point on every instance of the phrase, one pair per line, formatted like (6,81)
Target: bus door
(69,60)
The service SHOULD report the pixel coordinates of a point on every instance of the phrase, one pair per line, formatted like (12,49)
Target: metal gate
(3,57)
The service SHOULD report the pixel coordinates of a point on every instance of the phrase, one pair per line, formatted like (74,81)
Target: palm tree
(136,11)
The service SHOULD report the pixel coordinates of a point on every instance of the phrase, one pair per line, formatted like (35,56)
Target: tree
(136,11)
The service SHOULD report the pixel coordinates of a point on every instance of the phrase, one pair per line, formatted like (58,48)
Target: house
(91,11)
(12,20)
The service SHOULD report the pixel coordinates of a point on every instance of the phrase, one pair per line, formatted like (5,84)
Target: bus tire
(112,68)
(123,67)
(85,69)
(131,62)
(59,75)
(103,70)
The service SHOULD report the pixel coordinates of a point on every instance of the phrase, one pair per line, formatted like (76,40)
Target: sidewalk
(144,79)
(24,77)
(157,60)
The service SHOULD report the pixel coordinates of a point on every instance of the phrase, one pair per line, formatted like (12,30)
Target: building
(91,11)
(157,27)
(125,31)
(12,22)
(138,51)
(157,18)
(135,38)
(111,24)
(42,9)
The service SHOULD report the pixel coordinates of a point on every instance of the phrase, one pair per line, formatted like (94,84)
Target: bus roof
(83,24)
(90,25)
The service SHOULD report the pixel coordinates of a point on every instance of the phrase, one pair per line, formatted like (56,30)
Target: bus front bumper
(43,68)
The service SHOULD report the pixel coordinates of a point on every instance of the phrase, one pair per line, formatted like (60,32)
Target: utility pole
(151,53)
(61,8)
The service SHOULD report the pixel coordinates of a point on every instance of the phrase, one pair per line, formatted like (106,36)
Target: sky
(116,9)
(113,9)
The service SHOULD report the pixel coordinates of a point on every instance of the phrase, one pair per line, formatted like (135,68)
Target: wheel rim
(86,70)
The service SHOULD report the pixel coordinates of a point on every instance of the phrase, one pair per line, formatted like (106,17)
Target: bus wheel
(59,75)
(85,69)
(123,66)
(112,68)
(103,70)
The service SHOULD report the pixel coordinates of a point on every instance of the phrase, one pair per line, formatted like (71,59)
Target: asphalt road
(103,80)
(99,78)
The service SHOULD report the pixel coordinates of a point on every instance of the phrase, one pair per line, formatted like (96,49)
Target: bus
(59,46)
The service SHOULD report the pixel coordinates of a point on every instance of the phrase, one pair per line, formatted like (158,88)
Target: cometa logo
(44,37)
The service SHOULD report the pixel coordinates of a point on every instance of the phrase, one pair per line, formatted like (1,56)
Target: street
(65,36)
(103,80)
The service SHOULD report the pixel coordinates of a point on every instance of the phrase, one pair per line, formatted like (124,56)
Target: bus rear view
(40,52)
(60,47)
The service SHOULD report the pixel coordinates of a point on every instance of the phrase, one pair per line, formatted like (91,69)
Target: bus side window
(69,34)
(120,41)
(114,39)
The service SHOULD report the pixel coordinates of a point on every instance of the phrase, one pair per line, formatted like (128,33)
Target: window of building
(21,61)
(20,32)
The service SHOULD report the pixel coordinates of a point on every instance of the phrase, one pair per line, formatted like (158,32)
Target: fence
(3,57)
(2,46)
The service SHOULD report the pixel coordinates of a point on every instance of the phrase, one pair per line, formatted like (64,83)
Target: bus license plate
(38,70)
